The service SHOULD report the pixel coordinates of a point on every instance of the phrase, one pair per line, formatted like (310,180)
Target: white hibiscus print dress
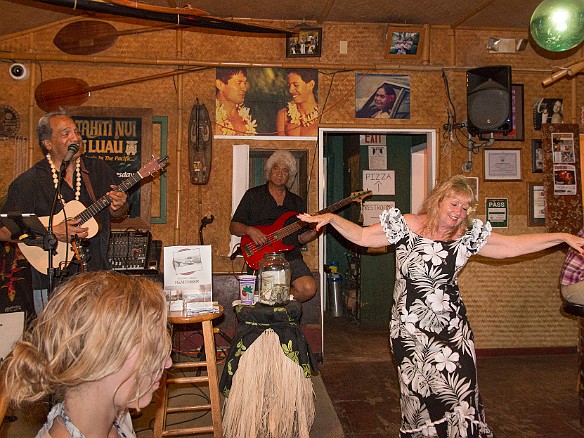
(431,339)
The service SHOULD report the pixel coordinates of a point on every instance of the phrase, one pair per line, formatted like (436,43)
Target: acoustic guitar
(37,256)
(253,254)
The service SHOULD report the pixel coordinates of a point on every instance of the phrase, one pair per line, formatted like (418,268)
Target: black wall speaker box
(488,99)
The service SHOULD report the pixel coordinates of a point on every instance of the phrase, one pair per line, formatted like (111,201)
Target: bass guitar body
(253,254)
(38,257)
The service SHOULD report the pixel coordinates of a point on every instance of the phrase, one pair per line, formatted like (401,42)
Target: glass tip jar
(274,275)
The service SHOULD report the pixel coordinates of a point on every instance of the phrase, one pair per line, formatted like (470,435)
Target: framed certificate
(502,165)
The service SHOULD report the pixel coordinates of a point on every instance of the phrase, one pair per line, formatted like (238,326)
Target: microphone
(235,253)
(71,150)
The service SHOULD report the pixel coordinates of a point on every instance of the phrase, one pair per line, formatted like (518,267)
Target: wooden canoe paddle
(54,93)
(87,37)
(187,10)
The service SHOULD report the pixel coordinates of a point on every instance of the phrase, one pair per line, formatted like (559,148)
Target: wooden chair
(162,410)
(3,404)
(578,310)
(11,329)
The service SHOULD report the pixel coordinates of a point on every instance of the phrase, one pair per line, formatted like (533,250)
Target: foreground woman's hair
(87,331)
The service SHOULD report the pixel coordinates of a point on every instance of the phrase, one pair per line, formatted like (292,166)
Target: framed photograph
(518,131)
(502,164)
(546,110)
(382,96)
(404,42)
(307,43)
(473,182)
(536,156)
(536,198)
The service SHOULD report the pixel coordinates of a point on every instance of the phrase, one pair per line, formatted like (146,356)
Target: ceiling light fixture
(558,25)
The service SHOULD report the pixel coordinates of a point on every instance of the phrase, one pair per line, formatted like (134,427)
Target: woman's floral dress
(431,339)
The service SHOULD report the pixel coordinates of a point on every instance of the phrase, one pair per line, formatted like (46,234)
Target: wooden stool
(578,310)
(163,409)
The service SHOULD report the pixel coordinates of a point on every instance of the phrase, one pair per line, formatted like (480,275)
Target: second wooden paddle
(87,37)
(54,93)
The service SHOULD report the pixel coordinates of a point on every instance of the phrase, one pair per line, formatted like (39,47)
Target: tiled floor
(524,396)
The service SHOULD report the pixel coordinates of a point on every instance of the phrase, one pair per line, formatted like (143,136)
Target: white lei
(298,119)
(56,176)
(227,127)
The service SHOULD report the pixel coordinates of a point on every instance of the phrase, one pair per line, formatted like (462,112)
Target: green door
(346,159)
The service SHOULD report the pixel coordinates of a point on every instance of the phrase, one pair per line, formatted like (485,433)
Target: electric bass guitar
(37,256)
(253,254)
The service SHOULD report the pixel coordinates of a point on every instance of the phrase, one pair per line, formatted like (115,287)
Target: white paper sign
(188,267)
(377,157)
(380,182)
(372,210)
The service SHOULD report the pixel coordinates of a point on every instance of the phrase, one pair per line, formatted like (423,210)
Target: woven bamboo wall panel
(516,304)
(513,303)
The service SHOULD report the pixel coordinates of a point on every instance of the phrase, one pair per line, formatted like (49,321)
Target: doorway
(411,158)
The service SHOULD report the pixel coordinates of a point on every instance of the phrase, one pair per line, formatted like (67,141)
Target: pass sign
(498,212)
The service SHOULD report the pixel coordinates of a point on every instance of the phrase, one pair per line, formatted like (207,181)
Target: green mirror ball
(558,25)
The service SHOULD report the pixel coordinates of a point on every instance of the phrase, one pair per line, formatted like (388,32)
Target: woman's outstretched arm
(499,246)
(369,237)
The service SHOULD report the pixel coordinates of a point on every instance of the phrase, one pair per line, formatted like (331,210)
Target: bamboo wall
(514,304)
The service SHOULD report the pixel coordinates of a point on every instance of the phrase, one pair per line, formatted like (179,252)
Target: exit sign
(373,139)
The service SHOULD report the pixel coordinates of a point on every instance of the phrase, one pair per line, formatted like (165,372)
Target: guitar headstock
(152,166)
(360,196)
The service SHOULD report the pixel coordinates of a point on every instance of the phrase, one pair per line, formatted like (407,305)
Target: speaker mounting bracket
(473,146)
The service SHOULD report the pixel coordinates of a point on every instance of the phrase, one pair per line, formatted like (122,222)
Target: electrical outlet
(343,47)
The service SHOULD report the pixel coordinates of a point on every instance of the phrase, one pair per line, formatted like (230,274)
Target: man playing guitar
(33,191)
(263,205)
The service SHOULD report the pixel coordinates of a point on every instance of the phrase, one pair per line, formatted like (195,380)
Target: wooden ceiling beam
(325,11)
(472,13)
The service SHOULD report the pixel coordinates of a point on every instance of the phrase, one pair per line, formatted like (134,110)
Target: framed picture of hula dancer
(266,102)
(306,43)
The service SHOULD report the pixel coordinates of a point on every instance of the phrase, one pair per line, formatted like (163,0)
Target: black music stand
(25,227)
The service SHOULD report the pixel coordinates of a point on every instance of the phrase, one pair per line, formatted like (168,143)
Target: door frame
(431,170)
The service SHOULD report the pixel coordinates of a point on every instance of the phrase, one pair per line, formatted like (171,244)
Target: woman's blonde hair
(89,328)
(456,185)
(285,158)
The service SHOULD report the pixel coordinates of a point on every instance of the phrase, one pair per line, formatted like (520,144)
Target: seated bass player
(85,180)
(262,206)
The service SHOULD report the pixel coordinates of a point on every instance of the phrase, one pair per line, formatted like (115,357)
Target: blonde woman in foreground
(99,348)
(431,339)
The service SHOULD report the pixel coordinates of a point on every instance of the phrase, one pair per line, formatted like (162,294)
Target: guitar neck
(292,228)
(105,200)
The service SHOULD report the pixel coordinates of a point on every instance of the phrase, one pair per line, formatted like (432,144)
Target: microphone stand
(50,239)
(204,222)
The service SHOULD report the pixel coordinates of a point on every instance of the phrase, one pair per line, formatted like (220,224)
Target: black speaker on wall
(488,99)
